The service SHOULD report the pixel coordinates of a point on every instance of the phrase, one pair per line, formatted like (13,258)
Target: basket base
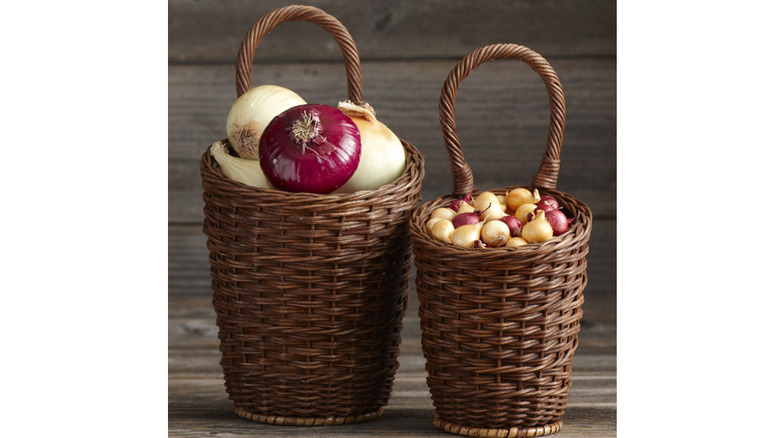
(306,421)
(483,432)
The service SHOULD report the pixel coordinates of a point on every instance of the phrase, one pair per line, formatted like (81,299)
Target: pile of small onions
(516,218)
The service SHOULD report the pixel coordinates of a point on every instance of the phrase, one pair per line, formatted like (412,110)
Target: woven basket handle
(547,175)
(300,13)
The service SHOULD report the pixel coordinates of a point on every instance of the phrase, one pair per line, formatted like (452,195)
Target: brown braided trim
(308,421)
(300,13)
(515,432)
(547,175)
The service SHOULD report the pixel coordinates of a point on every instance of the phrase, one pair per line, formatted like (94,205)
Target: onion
(443,231)
(461,219)
(519,196)
(466,208)
(310,148)
(458,203)
(537,230)
(515,242)
(524,211)
(431,222)
(495,233)
(382,157)
(492,212)
(548,201)
(483,201)
(252,112)
(238,169)
(467,235)
(444,213)
(514,224)
(558,221)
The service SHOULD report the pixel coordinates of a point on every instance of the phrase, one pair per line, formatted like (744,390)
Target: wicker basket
(499,326)
(309,290)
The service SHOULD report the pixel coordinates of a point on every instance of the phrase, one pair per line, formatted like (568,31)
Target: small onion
(522,212)
(514,224)
(492,212)
(444,213)
(495,233)
(457,204)
(548,201)
(466,208)
(515,242)
(461,219)
(558,221)
(310,148)
(538,230)
(467,235)
(519,196)
(484,200)
(429,225)
(443,231)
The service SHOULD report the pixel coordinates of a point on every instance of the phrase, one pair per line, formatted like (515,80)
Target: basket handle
(547,175)
(300,13)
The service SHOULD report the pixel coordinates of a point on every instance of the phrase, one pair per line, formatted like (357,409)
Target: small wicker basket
(499,325)
(309,290)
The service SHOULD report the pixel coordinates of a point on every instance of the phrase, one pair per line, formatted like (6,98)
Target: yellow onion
(443,231)
(444,213)
(484,200)
(515,242)
(382,157)
(495,233)
(537,230)
(524,211)
(431,222)
(466,236)
(519,196)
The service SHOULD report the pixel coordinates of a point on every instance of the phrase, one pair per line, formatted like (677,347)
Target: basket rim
(411,178)
(576,232)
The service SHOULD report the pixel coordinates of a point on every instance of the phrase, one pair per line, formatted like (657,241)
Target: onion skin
(466,219)
(548,201)
(310,148)
(251,113)
(558,221)
(457,204)
(514,224)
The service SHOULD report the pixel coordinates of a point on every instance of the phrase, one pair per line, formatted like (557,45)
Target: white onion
(382,157)
(251,113)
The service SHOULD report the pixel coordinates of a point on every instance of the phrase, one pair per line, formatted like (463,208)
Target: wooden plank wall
(407,48)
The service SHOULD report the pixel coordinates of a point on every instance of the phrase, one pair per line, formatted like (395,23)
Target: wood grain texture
(407,48)
(199,407)
(501,113)
(212,30)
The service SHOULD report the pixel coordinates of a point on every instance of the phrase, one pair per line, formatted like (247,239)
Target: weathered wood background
(407,48)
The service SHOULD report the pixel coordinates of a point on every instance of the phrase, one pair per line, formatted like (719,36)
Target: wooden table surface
(407,48)
(199,407)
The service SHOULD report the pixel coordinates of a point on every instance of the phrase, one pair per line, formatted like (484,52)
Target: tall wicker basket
(499,326)
(309,290)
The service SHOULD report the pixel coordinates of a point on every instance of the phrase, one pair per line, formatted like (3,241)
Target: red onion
(310,148)
(548,201)
(466,219)
(455,205)
(514,224)
(558,221)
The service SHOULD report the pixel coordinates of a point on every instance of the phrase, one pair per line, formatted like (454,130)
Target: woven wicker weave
(499,326)
(309,290)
